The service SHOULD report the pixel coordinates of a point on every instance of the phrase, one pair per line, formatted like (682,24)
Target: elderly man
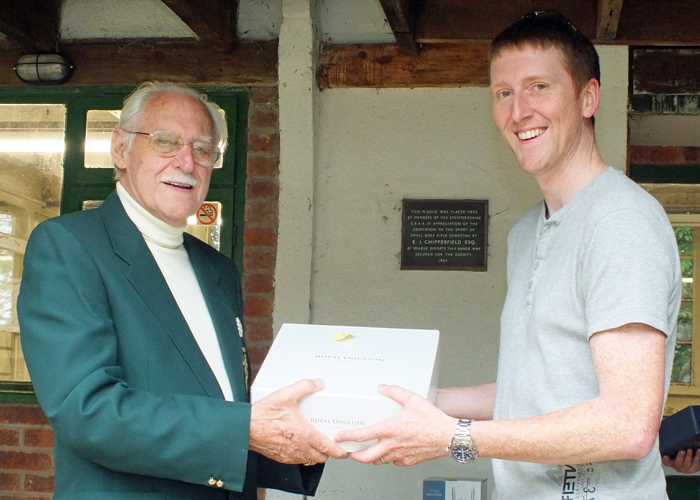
(133,337)
(589,322)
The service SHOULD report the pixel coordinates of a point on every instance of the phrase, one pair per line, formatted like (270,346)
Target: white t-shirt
(605,259)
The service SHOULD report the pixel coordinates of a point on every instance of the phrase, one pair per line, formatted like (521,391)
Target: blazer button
(211,481)
(220,483)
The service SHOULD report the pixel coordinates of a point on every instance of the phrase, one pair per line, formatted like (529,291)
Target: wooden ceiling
(428,33)
(626,22)
(34,24)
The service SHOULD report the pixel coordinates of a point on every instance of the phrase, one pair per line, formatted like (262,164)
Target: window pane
(90,204)
(681,364)
(31,177)
(684,238)
(100,124)
(687,274)
(685,322)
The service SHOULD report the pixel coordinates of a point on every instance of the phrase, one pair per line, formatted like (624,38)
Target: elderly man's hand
(684,462)
(279,431)
(420,432)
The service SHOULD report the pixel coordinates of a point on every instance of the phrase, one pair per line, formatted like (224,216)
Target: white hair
(135,106)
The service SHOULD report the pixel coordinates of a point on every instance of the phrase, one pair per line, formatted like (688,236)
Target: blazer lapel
(220,304)
(146,278)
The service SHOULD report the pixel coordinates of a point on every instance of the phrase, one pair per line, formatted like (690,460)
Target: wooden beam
(463,20)
(386,66)
(650,22)
(214,21)
(250,63)
(401,15)
(666,71)
(34,24)
(608,19)
(640,22)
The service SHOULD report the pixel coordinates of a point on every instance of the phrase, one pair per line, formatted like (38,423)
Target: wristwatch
(462,447)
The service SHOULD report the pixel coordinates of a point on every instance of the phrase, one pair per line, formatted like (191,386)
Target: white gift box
(352,367)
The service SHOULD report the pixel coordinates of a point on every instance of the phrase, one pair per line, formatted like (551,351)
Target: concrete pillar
(298,94)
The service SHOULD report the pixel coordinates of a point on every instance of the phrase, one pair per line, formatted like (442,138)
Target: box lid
(354,366)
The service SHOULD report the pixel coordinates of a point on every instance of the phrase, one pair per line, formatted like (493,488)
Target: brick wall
(664,155)
(260,232)
(26,439)
(26,453)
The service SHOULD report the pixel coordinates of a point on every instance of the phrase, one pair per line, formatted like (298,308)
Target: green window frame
(79,183)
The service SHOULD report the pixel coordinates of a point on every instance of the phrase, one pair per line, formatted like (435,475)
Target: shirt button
(211,481)
(220,484)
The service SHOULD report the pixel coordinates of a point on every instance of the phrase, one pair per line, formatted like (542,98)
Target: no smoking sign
(207,214)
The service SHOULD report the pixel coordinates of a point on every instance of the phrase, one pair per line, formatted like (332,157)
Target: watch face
(463,453)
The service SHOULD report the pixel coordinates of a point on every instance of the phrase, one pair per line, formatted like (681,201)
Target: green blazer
(136,411)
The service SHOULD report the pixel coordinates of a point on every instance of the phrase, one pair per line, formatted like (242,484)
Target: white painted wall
(611,117)
(377,147)
(665,130)
(339,21)
(106,19)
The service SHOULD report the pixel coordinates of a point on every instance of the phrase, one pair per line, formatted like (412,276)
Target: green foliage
(681,364)
(684,238)
(685,315)
(687,268)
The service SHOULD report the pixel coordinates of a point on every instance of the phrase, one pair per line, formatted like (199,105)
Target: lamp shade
(46,69)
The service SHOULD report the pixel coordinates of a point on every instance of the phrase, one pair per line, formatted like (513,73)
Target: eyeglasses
(169,144)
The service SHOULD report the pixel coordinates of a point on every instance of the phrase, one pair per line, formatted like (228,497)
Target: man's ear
(591,98)
(118,148)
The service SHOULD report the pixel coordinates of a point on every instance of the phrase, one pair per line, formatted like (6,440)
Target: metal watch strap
(462,447)
(464,427)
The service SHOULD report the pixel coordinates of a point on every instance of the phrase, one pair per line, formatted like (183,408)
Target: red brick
(41,484)
(9,437)
(17,497)
(257,355)
(22,414)
(258,283)
(24,461)
(257,307)
(261,189)
(260,212)
(656,155)
(259,236)
(260,95)
(262,167)
(691,155)
(262,119)
(38,438)
(9,481)
(262,142)
(259,259)
(258,330)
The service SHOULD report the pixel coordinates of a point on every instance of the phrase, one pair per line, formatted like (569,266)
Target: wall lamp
(44,69)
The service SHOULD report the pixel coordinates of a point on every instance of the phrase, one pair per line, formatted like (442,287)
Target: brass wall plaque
(444,235)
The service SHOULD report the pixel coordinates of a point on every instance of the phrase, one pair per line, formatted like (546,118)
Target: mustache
(180,178)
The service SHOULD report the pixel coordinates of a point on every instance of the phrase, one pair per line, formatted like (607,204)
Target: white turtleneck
(166,245)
